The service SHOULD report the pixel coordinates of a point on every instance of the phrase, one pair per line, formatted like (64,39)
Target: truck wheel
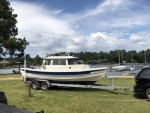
(35,85)
(44,86)
(148,93)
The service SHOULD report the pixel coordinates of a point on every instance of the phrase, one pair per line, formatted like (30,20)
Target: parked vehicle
(142,83)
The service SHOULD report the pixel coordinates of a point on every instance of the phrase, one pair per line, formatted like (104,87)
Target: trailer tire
(44,86)
(35,85)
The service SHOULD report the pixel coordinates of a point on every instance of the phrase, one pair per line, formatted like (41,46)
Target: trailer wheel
(35,85)
(44,86)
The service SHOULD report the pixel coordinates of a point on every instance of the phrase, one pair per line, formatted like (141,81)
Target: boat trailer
(45,85)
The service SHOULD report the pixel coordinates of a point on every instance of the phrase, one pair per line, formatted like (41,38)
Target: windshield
(74,61)
(59,62)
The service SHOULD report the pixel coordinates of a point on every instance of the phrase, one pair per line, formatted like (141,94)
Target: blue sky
(52,26)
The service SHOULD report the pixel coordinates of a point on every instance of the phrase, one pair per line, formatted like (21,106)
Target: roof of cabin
(60,57)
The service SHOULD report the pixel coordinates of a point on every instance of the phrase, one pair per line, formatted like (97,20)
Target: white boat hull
(119,68)
(81,77)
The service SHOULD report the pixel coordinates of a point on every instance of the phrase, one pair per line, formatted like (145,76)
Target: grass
(75,100)
(10,75)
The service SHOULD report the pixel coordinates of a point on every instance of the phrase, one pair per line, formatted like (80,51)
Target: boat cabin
(62,62)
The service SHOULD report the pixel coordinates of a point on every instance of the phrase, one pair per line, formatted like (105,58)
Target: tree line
(114,56)
(111,57)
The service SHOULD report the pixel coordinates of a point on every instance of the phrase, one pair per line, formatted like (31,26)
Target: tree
(9,44)
(21,46)
(37,60)
(28,58)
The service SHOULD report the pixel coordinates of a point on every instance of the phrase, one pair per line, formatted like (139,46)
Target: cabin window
(55,62)
(59,62)
(62,62)
(48,62)
(70,62)
(74,61)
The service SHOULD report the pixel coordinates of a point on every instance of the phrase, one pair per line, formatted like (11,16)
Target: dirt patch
(122,77)
(11,78)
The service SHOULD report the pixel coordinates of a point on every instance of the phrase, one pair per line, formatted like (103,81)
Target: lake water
(108,73)
(121,73)
(8,71)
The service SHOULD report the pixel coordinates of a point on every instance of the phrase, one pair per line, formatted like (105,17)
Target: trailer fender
(45,85)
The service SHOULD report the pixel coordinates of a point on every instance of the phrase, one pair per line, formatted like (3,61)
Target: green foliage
(28,58)
(37,60)
(9,44)
(21,46)
(7,21)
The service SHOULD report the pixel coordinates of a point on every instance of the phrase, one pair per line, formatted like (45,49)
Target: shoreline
(121,76)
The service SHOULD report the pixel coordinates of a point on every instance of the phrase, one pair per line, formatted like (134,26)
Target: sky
(52,26)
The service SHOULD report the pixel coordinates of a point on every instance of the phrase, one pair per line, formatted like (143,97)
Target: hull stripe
(57,73)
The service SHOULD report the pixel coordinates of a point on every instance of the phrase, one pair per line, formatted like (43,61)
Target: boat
(120,67)
(64,69)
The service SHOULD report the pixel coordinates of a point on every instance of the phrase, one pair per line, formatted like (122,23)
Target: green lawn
(75,100)
(10,75)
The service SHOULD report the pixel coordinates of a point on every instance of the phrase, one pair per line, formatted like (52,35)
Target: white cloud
(140,37)
(35,19)
(41,27)
(102,28)
(140,40)
(107,5)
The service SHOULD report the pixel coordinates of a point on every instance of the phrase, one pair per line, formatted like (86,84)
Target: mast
(145,58)
(118,55)
(132,58)
(122,56)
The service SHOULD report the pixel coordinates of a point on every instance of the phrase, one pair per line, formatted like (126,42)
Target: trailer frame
(46,84)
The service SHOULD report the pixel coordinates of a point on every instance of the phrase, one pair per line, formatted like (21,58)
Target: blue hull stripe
(58,73)
(65,82)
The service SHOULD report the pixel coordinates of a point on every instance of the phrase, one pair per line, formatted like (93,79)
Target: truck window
(145,73)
